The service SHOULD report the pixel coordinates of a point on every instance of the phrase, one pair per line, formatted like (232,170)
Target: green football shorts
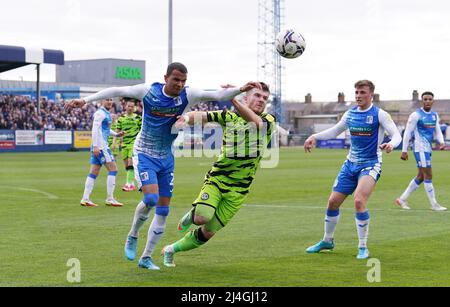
(219,208)
(115,152)
(127,152)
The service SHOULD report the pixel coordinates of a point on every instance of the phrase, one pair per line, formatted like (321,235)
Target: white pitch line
(324,208)
(49,195)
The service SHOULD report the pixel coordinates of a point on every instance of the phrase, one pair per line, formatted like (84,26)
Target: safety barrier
(44,140)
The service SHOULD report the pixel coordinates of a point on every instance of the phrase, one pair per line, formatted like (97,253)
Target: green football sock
(130,176)
(188,242)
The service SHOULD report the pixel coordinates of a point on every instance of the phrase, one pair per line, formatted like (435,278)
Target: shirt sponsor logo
(165,112)
(429,124)
(361,131)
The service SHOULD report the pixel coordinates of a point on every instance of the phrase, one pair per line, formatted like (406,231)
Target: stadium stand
(20,113)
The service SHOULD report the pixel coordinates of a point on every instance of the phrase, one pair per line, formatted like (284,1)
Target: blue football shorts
(423,159)
(150,170)
(347,179)
(105,156)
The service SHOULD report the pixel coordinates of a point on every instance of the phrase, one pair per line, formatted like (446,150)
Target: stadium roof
(12,57)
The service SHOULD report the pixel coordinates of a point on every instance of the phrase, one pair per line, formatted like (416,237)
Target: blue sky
(400,45)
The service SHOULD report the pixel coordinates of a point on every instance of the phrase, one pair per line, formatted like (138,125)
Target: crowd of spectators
(206,106)
(21,113)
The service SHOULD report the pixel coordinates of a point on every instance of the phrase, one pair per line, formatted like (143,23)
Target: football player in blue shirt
(153,158)
(101,155)
(362,169)
(423,124)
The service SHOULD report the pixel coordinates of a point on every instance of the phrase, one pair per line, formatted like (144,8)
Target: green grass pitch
(42,226)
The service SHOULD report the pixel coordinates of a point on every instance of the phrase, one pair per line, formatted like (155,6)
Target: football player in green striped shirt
(246,134)
(130,123)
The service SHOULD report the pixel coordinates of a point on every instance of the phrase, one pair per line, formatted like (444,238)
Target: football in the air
(290,44)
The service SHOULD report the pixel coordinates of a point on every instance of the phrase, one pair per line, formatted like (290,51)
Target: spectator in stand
(207,106)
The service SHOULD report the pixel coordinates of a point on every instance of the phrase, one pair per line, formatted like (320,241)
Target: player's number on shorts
(171,180)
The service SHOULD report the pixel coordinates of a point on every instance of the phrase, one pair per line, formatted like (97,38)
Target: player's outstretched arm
(227,92)
(334,131)
(75,103)
(329,133)
(247,113)
(118,134)
(136,91)
(191,118)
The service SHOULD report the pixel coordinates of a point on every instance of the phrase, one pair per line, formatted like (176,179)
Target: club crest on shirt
(369,119)
(144,176)
(205,196)
(178,101)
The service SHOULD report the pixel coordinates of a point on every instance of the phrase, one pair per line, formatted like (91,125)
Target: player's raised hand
(387,147)
(404,156)
(75,103)
(249,86)
(182,122)
(309,143)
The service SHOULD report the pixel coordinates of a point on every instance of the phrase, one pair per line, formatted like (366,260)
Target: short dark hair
(176,66)
(130,99)
(427,93)
(264,87)
(368,83)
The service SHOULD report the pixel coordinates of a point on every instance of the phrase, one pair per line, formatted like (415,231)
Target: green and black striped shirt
(131,125)
(242,149)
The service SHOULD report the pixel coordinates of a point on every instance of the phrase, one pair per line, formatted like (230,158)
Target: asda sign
(128,73)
